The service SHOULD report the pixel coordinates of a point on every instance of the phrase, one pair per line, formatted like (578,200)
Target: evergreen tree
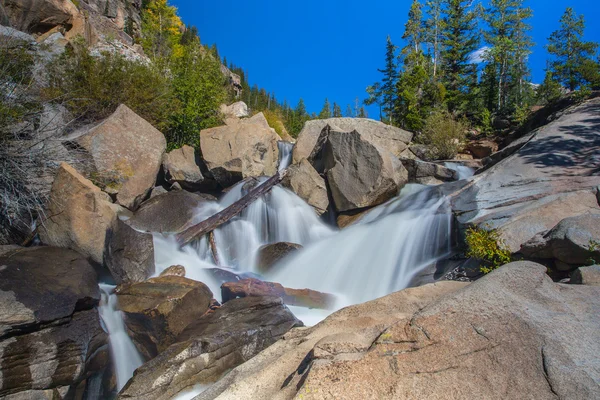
(549,91)
(349,113)
(337,110)
(362,113)
(572,54)
(161,31)
(326,111)
(434,26)
(460,39)
(375,97)
(388,83)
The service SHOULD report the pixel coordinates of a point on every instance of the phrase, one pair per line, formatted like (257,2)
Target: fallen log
(213,248)
(251,287)
(210,224)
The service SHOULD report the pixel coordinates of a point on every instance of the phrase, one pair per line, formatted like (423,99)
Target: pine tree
(362,113)
(325,111)
(349,113)
(572,54)
(337,110)
(388,83)
(161,29)
(549,91)
(460,39)
(434,26)
(375,97)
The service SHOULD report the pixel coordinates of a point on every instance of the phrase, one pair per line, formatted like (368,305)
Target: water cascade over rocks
(285,154)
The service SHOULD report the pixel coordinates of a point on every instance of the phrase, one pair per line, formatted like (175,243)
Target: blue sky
(318,48)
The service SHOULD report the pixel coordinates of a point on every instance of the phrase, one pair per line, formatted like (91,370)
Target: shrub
(274,120)
(443,134)
(92,87)
(487,246)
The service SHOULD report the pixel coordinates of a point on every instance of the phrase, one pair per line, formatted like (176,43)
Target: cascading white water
(126,358)
(285,154)
(463,171)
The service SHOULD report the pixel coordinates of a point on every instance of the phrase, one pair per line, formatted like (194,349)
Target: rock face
(174,270)
(549,177)
(242,149)
(305,181)
(271,254)
(171,212)
(482,148)
(50,333)
(127,152)
(510,332)
(79,215)
(359,173)
(237,110)
(211,346)
(129,254)
(395,140)
(180,166)
(252,287)
(586,276)
(573,241)
(158,310)
(40,15)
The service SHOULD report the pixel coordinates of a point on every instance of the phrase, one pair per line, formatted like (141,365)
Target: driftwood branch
(213,248)
(210,224)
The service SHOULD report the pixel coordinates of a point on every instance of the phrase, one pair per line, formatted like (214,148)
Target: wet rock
(482,148)
(305,181)
(174,270)
(130,254)
(211,346)
(514,316)
(586,276)
(180,167)
(420,170)
(349,218)
(271,254)
(171,212)
(222,275)
(79,215)
(251,287)
(127,153)
(244,148)
(158,310)
(395,140)
(359,173)
(574,240)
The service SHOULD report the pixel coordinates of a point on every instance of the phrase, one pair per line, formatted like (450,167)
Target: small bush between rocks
(443,134)
(487,246)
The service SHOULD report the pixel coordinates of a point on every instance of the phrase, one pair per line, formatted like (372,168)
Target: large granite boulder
(127,152)
(421,171)
(360,173)
(50,333)
(242,149)
(129,254)
(79,215)
(548,177)
(513,333)
(271,254)
(180,167)
(211,346)
(170,212)
(586,276)
(158,310)
(395,140)
(239,109)
(574,241)
(482,148)
(302,179)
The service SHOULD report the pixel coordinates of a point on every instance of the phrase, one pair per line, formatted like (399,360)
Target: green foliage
(161,31)
(387,89)
(572,65)
(487,246)
(274,119)
(593,247)
(443,134)
(92,87)
(325,111)
(337,110)
(486,122)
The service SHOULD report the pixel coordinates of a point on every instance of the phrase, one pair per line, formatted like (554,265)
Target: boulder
(174,270)
(359,173)
(211,346)
(271,254)
(420,151)
(305,181)
(251,287)
(395,140)
(574,240)
(158,310)
(420,170)
(548,177)
(129,254)
(511,333)
(482,148)
(180,166)
(586,276)
(50,333)
(222,275)
(238,109)
(79,215)
(40,16)
(244,148)
(170,212)
(349,218)
(127,152)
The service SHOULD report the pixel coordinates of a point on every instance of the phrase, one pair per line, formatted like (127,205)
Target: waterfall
(463,171)
(285,154)
(126,358)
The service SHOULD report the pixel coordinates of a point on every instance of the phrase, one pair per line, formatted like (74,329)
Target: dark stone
(129,255)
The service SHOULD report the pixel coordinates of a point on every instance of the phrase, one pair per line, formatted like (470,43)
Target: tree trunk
(227,214)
